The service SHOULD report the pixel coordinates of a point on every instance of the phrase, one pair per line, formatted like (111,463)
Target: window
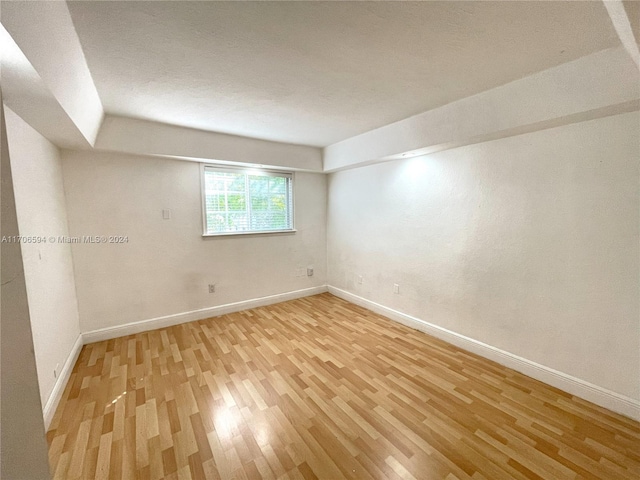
(240,201)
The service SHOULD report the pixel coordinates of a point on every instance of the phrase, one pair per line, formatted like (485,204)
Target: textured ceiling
(316,73)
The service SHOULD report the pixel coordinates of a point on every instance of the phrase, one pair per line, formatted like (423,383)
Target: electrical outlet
(360,279)
(212,288)
(309,271)
(396,288)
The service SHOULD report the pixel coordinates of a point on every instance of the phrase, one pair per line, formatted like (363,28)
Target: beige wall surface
(165,266)
(529,244)
(48,266)
(24,448)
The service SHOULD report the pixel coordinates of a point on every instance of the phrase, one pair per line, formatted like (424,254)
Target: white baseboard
(568,383)
(175,319)
(61,382)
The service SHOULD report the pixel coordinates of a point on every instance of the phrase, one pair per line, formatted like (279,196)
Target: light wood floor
(320,388)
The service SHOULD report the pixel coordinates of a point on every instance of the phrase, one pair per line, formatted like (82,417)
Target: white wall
(24,448)
(48,267)
(165,267)
(528,244)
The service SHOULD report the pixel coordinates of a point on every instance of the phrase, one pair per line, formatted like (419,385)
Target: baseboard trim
(575,386)
(184,317)
(61,382)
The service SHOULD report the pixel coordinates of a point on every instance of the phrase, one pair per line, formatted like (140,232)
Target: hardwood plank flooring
(321,388)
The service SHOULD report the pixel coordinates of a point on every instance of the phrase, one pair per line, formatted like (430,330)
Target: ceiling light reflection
(226,422)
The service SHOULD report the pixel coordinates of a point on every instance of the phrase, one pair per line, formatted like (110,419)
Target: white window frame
(246,171)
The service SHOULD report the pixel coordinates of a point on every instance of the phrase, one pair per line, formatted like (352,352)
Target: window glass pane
(236,182)
(216,222)
(259,203)
(215,202)
(277,185)
(278,203)
(241,202)
(261,221)
(236,201)
(238,222)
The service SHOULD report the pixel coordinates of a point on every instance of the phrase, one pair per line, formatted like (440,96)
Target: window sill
(235,234)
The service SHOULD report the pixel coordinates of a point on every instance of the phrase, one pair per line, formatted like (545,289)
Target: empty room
(320,240)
